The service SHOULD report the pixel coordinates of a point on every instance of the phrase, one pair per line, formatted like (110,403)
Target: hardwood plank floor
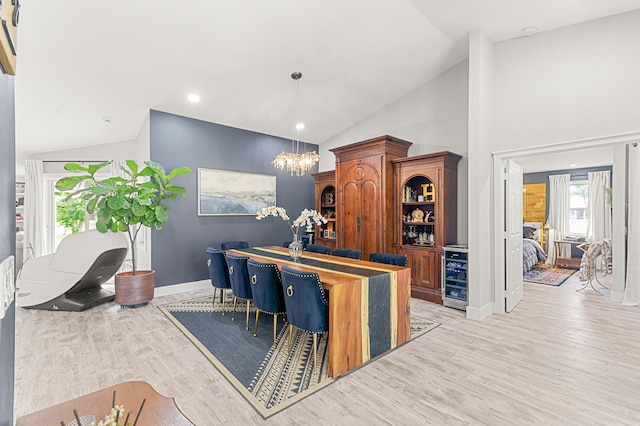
(561,357)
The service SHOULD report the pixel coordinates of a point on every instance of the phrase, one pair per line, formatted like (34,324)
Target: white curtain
(599,210)
(35,242)
(558,219)
(632,288)
(116,168)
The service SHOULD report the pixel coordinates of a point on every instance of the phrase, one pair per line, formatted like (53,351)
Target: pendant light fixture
(294,162)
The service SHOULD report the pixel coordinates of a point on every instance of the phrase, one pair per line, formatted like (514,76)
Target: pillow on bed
(528,232)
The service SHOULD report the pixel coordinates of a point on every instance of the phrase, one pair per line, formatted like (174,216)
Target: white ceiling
(80,61)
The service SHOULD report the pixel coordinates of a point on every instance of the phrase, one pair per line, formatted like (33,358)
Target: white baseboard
(480,313)
(166,290)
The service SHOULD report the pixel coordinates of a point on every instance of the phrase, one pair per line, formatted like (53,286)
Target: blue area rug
(548,276)
(270,378)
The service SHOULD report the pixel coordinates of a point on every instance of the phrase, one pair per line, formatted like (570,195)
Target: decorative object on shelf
(306,219)
(417,215)
(428,192)
(294,162)
(429,216)
(126,204)
(328,198)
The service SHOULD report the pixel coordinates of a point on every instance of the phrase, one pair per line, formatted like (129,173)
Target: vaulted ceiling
(80,61)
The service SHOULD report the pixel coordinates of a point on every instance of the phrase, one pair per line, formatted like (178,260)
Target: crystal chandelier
(294,162)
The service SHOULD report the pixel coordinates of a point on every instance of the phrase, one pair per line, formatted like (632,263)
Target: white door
(513,235)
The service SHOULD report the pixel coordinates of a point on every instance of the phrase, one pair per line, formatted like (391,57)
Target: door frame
(619,206)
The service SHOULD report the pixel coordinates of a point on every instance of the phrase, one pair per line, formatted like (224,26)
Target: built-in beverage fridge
(454,276)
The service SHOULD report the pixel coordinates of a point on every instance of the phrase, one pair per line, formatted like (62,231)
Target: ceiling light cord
(294,162)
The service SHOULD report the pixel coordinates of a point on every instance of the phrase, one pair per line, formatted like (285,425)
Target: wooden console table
(157,410)
(569,262)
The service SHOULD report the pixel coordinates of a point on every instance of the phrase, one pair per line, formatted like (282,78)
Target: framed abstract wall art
(223,192)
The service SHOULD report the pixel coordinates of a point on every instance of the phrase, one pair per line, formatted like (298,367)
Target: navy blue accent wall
(7,241)
(178,250)
(576,174)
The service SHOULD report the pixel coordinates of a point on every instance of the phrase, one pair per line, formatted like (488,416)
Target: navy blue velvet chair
(266,287)
(350,253)
(219,273)
(306,302)
(389,259)
(239,278)
(316,248)
(234,245)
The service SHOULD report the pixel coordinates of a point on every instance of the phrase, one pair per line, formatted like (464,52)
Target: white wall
(433,117)
(481,86)
(568,84)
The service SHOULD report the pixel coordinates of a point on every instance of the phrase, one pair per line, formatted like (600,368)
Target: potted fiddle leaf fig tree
(126,204)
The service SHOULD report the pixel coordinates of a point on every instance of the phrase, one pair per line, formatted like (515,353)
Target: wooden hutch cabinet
(425,217)
(325,190)
(365,187)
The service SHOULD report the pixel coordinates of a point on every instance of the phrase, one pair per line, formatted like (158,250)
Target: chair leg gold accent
(213,299)
(275,322)
(315,355)
(233,315)
(290,335)
(246,324)
(224,298)
(255,327)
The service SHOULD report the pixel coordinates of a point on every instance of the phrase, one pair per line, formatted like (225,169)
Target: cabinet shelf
(325,190)
(426,189)
(418,203)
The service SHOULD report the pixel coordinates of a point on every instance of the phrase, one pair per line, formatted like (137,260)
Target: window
(56,231)
(578,207)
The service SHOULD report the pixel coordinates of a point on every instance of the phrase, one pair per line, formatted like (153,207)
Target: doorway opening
(545,156)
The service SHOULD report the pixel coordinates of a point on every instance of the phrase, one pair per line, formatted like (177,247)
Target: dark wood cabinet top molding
(387,145)
(449,159)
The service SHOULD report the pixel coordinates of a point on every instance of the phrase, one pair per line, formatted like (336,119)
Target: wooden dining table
(369,303)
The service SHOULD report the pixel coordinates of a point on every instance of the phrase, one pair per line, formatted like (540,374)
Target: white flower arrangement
(112,419)
(306,219)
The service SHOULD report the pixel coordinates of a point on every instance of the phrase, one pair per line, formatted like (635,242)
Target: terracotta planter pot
(133,290)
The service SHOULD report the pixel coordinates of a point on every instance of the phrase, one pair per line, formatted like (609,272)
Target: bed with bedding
(532,254)
(532,251)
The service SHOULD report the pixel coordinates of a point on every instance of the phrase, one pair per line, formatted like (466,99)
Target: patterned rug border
(248,396)
(567,275)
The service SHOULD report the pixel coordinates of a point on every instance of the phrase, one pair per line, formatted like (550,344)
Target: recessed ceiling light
(193,98)
(300,126)
(572,165)
(527,31)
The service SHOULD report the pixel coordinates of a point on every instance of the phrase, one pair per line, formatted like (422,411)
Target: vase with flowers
(306,220)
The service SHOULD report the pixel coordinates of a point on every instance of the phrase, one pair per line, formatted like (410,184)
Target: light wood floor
(560,358)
